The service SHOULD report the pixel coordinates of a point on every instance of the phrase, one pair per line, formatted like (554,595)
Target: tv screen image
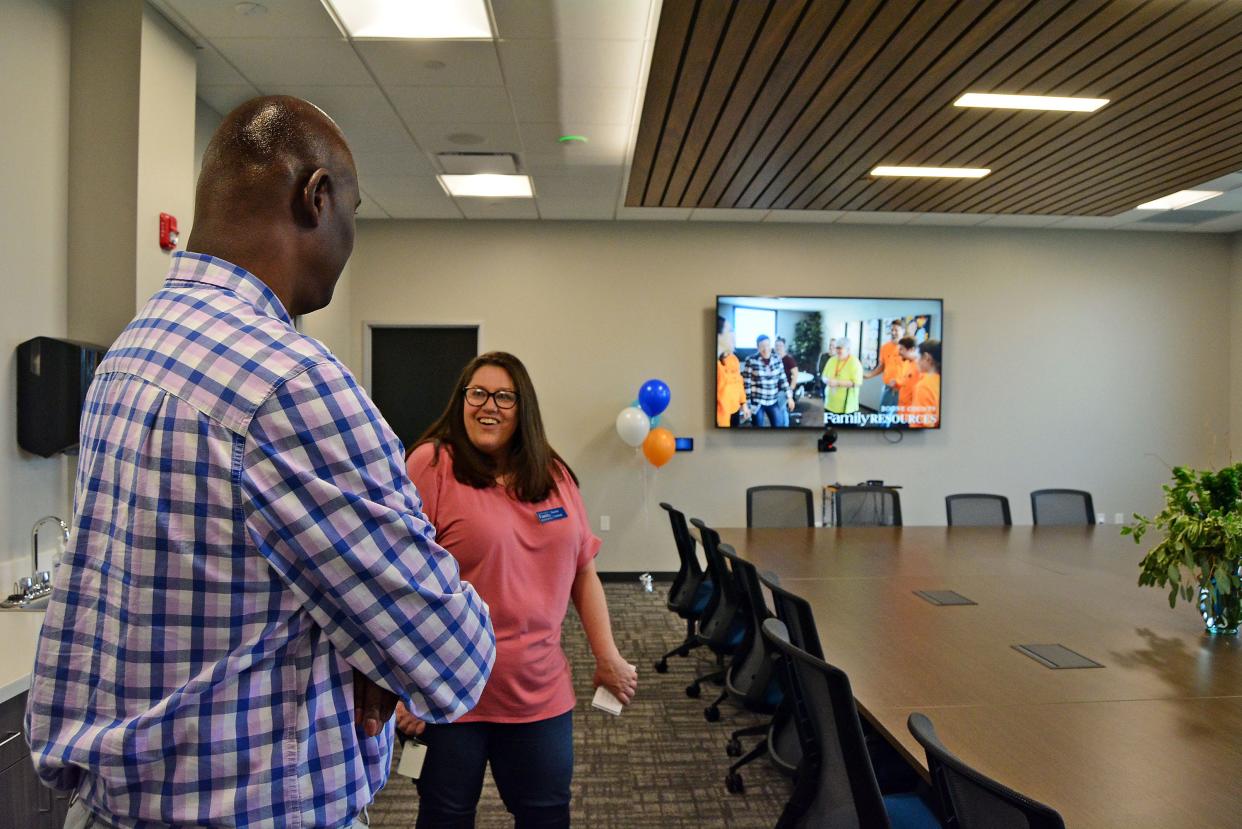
(812,362)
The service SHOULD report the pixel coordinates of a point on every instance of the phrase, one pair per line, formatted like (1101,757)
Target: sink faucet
(34,539)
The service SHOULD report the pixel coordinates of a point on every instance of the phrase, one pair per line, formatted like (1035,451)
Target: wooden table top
(1169,697)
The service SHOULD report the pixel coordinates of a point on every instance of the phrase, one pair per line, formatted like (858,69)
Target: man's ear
(314,196)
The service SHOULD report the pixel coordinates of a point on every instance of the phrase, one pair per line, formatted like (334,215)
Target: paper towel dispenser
(52,378)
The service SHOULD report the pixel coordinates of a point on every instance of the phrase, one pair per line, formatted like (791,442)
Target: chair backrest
(725,605)
(977,509)
(689,572)
(752,671)
(837,784)
(867,506)
(795,612)
(1062,507)
(970,800)
(779,506)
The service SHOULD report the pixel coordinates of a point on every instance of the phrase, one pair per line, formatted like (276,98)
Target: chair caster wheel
(733,748)
(661,667)
(693,691)
(733,782)
(711,713)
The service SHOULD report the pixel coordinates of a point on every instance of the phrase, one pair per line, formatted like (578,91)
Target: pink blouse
(522,559)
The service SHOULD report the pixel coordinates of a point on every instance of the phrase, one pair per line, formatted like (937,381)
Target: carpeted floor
(660,764)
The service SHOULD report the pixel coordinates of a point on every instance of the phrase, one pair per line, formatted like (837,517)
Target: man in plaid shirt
(250,579)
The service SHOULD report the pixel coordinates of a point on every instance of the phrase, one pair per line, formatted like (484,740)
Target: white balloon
(633,425)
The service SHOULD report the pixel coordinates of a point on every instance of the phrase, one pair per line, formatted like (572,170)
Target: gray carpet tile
(660,764)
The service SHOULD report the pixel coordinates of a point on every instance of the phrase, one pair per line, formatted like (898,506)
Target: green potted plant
(1200,555)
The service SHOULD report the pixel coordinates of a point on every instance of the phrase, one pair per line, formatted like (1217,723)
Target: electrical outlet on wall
(1099,518)
(1119,518)
(605,523)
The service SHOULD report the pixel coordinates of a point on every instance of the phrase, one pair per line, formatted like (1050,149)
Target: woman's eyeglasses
(505,399)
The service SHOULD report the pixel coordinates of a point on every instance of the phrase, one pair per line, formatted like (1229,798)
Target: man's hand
(407,723)
(373,706)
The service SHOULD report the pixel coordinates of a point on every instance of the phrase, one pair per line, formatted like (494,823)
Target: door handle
(10,738)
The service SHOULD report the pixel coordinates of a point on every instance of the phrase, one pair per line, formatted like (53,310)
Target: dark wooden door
(413,369)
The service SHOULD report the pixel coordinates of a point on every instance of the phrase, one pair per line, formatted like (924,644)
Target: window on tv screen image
(812,362)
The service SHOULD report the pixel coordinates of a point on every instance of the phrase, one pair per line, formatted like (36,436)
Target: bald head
(277,195)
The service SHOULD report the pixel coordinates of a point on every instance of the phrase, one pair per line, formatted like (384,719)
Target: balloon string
(646,495)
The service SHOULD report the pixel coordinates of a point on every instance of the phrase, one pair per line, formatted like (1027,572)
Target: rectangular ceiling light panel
(1039,102)
(488,185)
(932,172)
(413,19)
(1182,198)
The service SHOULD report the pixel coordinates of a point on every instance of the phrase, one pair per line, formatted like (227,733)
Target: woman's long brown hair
(533,465)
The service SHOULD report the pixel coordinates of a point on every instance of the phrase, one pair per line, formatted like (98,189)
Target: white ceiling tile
(282,18)
(405,160)
(498,208)
(1090,222)
(727,215)
(590,182)
(576,209)
(1227,202)
(802,216)
(474,138)
(656,214)
(561,19)
(568,63)
(573,105)
(369,209)
(223,99)
(410,197)
(873,217)
(294,61)
(1227,223)
(214,70)
(451,104)
(564,161)
(605,142)
(949,219)
(1020,220)
(433,63)
(423,210)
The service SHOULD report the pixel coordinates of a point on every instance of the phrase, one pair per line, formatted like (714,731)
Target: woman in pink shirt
(509,510)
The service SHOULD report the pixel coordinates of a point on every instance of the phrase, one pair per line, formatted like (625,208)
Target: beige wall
(333,326)
(1072,358)
(34,92)
(1235,362)
(166,135)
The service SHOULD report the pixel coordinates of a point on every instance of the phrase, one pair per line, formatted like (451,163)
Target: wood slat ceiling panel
(789,104)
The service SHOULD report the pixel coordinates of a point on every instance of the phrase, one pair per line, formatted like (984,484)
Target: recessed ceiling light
(488,185)
(413,19)
(932,172)
(1182,198)
(1041,102)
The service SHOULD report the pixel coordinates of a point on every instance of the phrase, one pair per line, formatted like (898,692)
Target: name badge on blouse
(554,514)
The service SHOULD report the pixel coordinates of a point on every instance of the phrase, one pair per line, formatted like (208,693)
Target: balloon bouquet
(638,425)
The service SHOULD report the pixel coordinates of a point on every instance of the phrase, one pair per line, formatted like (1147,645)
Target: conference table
(1151,738)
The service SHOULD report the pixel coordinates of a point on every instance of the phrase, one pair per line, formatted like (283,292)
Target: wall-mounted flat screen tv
(812,362)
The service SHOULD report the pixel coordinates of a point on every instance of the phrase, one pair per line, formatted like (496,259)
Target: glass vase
(1220,617)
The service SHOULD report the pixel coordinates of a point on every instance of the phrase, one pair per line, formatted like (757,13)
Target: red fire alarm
(168,231)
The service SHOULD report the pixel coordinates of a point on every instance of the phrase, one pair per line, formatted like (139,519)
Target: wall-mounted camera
(828,440)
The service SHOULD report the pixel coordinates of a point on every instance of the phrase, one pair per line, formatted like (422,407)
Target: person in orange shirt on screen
(889,364)
(731,408)
(908,378)
(925,412)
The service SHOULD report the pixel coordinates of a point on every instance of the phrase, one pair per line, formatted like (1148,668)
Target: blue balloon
(653,397)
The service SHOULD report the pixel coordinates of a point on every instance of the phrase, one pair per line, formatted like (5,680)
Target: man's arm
(328,504)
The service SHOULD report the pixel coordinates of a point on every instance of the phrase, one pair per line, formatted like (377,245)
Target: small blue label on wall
(554,514)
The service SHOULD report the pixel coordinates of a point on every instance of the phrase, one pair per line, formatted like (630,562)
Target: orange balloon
(659,446)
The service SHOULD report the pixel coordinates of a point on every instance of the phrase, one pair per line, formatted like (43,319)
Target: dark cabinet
(25,803)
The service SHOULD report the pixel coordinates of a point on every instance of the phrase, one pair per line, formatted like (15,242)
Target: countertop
(19,631)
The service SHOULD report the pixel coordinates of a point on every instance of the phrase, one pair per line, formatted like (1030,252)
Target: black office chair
(976,509)
(836,786)
(691,589)
(722,627)
(867,506)
(752,678)
(1062,508)
(970,800)
(779,506)
(795,613)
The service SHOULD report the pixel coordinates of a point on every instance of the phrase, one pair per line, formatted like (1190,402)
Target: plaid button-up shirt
(244,532)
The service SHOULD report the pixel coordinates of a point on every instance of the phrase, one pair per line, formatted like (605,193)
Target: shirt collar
(188,266)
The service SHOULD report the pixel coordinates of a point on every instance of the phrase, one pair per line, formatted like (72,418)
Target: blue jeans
(532,763)
(775,415)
